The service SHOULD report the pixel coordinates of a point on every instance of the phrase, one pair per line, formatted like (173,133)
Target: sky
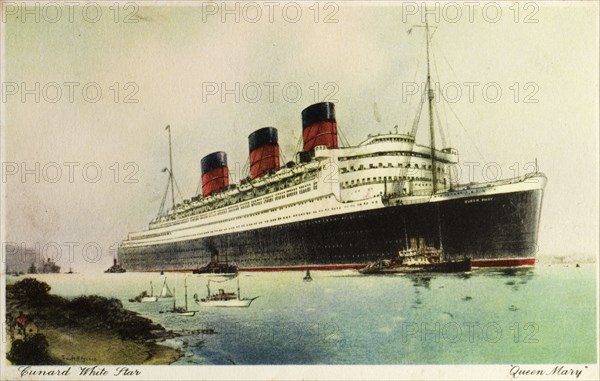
(98,156)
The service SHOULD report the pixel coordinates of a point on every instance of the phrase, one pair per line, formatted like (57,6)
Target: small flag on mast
(168,127)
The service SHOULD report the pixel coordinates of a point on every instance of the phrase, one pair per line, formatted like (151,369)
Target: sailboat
(224,299)
(180,310)
(166,291)
(149,298)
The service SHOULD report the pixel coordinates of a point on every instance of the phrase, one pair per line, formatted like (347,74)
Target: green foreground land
(84,330)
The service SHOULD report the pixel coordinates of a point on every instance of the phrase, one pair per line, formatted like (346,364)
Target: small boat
(224,299)
(216,267)
(307,277)
(70,271)
(417,260)
(145,297)
(165,293)
(180,310)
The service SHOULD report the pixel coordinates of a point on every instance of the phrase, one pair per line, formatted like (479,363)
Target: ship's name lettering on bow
(483,199)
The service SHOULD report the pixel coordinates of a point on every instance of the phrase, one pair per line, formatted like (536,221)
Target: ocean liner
(339,207)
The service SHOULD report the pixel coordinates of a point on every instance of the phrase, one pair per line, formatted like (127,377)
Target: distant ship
(340,207)
(48,267)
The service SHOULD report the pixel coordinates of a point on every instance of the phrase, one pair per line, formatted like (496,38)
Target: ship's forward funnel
(319,126)
(264,151)
(215,175)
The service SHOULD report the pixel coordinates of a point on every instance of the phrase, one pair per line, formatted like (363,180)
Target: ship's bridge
(387,164)
(395,138)
(386,145)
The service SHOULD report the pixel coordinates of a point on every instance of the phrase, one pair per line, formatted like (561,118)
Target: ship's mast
(440,233)
(185,286)
(405,234)
(168,128)
(430,100)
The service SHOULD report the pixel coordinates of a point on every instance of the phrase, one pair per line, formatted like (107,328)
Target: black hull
(492,230)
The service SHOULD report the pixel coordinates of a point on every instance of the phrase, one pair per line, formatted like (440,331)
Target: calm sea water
(542,315)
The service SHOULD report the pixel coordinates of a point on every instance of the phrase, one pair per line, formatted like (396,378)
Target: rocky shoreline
(46,329)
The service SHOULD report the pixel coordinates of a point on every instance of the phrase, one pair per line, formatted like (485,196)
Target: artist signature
(79,358)
(517,371)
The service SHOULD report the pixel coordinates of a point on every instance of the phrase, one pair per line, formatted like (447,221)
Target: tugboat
(115,268)
(417,259)
(224,299)
(216,267)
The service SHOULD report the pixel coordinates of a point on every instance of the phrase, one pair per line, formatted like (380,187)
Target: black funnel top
(213,160)
(260,137)
(317,112)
